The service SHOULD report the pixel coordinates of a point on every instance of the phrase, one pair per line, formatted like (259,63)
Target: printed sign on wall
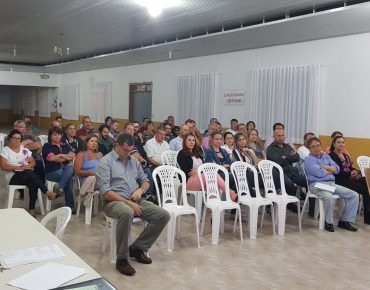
(234,98)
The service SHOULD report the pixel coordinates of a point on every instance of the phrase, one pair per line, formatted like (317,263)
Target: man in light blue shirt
(176,144)
(121,182)
(320,170)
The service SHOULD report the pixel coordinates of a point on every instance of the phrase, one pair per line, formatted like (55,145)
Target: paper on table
(324,186)
(48,276)
(10,259)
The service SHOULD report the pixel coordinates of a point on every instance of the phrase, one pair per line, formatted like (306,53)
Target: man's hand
(137,194)
(135,207)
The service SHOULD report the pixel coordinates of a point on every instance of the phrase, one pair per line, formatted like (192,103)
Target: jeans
(64,176)
(350,198)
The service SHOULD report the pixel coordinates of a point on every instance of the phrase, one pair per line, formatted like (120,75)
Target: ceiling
(108,33)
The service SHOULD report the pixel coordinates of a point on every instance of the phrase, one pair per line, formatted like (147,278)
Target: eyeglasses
(16,138)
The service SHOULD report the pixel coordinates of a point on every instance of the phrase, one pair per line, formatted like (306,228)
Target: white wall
(346,97)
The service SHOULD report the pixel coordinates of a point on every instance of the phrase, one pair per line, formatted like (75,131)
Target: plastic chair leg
(113,243)
(322,215)
(263,216)
(178,227)
(199,203)
(11,196)
(96,204)
(78,207)
(222,222)
(216,216)
(88,212)
(299,215)
(240,223)
(281,218)
(203,221)
(41,202)
(197,227)
(273,219)
(171,233)
(253,222)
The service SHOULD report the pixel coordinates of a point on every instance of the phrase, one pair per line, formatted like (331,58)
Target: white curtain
(101,101)
(289,95)
(69,97)
(23,100)
(43,101)
(196,95)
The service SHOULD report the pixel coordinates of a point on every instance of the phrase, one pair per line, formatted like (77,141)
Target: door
(140,101)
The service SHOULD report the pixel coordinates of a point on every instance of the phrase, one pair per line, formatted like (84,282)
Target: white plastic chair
(43,139)
(110,232)
(318,211)
(169,157)
(2,140)
(212,199)
(363,162)
(50,185)
(239,170)
(93,206)
(63,215)
(169,202)
(281,201)
(11,194)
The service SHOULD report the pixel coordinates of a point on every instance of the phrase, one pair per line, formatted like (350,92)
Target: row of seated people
(122,181)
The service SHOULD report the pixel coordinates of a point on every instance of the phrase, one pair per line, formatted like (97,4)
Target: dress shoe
(124,267)
(139,255)
(329,227)
(346,226)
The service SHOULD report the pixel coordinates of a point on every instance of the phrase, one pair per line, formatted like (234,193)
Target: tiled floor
(311,259)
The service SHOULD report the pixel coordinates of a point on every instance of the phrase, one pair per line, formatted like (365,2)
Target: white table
(19,230)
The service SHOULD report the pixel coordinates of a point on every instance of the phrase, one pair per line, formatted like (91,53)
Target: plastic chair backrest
(43,139)
(166,174)
(363,162)
(169,157)
(63,215)
(266,168)
(209,171)
(2,140)
(239,170)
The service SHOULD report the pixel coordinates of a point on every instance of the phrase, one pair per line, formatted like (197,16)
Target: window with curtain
(289,95)
(101,100)
(69,97)
(196,95)
(23,100)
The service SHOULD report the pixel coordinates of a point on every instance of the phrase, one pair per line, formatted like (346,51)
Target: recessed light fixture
(155,7)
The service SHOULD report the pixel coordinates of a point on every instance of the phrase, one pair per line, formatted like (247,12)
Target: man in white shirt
(233,126)
(176,144)
(155,147)
(271,139)
(303,151)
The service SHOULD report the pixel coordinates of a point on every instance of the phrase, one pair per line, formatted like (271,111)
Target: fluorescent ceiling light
(155,7)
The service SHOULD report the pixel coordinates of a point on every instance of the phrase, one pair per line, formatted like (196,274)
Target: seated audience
(193,128)
(33,129)
(271,139)
(19,164)
(148,132)
(114,130)
(229,143)
(155,147)
(143,125)
(242,152)
(212,127)
(233,127)
(242,129)
(348,176)
(139,139)
(168,129)
(332,136)
(86,126)
(250,125)
(176,144)
(85,165)
(57,157)
(212,121)
(176,131)
(55,124)
(304,151)
(70,138)
(284,155)
(106,143)
(217,155)
(254,144)
(60,120)
(108,121)
(123,200)
(189,159)
(320,170)
(94,132)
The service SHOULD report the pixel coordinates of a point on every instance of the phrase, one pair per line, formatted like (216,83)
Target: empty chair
(208,175)
(167,199)
(239,170)
(62,215)
(281,200)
